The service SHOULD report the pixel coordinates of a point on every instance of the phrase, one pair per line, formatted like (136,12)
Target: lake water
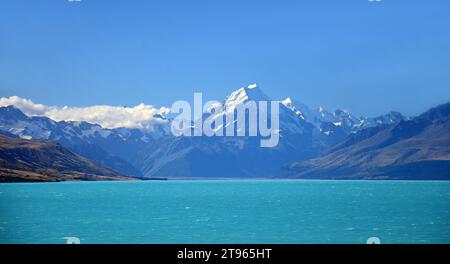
(226,212)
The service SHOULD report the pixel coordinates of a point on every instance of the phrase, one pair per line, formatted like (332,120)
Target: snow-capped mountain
(243,95)
(231,156)
(331,127)
(113,148)
(289,121)
(387,119)
(303,133)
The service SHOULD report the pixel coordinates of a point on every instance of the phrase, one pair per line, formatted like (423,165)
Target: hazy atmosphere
(367,57)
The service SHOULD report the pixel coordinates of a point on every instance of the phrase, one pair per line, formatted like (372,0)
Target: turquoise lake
(261,211)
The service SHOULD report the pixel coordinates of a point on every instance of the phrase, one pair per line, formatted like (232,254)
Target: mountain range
(314,143)
(410,149)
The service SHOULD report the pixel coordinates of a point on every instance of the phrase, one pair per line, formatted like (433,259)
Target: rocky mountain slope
(23,160)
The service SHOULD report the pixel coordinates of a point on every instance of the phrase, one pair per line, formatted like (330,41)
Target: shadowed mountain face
(414,149)
(34,161)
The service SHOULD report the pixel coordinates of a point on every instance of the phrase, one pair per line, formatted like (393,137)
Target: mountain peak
(254,93)
(252,86)
(440,111)
(243,95)
(12,113)
(287,102)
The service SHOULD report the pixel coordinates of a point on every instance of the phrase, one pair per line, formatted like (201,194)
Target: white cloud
(25,105)
(140,116)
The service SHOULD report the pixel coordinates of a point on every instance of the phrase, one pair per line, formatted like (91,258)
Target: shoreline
(225,180)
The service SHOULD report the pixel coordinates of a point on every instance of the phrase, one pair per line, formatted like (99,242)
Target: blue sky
(368,57)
